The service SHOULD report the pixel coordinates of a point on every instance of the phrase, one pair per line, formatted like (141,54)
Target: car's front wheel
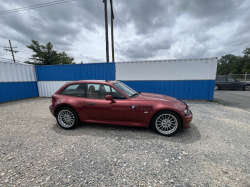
(67,118)
(247,87)
(216,87)
(166,123)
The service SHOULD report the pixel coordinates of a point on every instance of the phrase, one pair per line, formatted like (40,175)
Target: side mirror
(110,98)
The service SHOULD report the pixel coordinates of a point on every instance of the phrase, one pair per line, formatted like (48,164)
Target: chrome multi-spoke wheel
(166,123)
(216,87)
(67,118)
(247,88)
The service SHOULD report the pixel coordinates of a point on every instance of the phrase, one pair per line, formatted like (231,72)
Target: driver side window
(230,79)
(116,94)
(221,79)
(98,91)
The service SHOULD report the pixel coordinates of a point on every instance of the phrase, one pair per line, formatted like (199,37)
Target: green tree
(246,65)
(234,64)
(246,52)
(226,64)
(46,55)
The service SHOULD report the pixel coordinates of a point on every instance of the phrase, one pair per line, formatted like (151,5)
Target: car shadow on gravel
(184,136)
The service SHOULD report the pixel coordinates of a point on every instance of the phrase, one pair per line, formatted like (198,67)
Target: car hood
(159,97)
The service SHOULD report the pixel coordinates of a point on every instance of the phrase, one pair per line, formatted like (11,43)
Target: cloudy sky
(143,29)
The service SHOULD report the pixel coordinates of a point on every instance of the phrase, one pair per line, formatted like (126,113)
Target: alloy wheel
(166,124)
(247,87)
(66,118)
(216,87)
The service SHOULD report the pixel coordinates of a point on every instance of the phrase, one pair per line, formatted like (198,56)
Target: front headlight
(187,111)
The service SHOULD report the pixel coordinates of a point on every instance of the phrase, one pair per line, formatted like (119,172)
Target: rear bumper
(186,121)
(52,110)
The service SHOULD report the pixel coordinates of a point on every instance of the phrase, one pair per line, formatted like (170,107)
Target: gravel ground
(35,151)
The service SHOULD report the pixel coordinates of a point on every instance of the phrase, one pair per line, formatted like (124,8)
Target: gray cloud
(146,15)
(89,59)
(139,49)
(144,29)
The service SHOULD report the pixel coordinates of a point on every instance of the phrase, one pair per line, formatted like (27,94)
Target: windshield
(125,89)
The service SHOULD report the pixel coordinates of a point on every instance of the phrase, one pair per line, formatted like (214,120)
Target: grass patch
(218,102)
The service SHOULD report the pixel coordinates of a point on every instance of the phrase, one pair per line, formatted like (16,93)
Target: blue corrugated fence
(98,71)
(10,91)
(182,89)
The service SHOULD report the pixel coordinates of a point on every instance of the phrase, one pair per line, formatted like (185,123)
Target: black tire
(216,87)
(246,87)
(173,116)
(62,122)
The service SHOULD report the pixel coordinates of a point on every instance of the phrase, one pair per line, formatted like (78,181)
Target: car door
(222,82)
(100,109)
(233,84)
(75,94)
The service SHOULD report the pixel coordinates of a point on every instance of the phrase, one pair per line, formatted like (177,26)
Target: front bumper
(52,110)
(187,120)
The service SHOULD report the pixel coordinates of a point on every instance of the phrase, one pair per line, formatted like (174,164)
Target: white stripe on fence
(48,88)
(15,72)
(178,69)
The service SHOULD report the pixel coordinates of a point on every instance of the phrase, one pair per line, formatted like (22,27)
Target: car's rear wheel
(166,123)
(247,87)
(216,87)
(67,118)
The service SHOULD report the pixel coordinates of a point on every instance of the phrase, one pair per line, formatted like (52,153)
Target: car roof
(108,82)
(94,81)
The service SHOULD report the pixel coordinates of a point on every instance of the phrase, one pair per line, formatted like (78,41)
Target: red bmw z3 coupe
(113,102)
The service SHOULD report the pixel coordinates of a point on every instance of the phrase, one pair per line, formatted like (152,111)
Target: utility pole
(12,51)
(106,32)
(112,33)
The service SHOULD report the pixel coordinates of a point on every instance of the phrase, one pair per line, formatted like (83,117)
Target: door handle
(91,104)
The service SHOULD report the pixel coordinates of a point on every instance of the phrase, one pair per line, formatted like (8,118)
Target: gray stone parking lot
(234,98)
(35,151)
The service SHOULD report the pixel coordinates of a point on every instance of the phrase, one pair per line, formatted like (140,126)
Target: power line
(11,61)
(34,6)
(29,53)
(6,61)
(21,57)
(31,6)
(6,58)
(22,49)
